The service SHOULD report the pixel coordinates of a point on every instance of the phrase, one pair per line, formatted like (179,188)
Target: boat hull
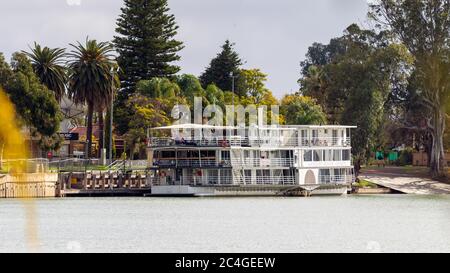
(248,190)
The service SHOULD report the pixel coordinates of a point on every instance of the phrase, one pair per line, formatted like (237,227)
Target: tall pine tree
(145,42)
(221,67)
(147,48)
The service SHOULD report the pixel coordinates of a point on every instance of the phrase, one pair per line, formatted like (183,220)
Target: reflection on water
(389,223)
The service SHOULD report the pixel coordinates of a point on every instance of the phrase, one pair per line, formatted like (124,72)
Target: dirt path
(411,181)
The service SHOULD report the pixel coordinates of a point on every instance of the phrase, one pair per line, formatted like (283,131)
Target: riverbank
(405,180)
(387,180)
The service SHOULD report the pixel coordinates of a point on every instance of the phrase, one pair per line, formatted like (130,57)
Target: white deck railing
(237,141)
(275,180)
(225,180)
(263,162)
(191,163)
(336,179)
(274,142)
(193,180)
(206,142)
(210,180)
(325,142)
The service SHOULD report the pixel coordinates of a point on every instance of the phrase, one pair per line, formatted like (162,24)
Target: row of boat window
(186,154)
(335,172)
(326,155)
(225,155)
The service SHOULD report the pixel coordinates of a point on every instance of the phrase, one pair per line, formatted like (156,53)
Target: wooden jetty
(123,178)
(104,184)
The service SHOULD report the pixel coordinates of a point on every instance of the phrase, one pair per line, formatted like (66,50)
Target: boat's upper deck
(194,135)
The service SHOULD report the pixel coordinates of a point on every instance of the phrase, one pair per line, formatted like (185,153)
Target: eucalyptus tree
(354,84)
(91,80)
(423,26)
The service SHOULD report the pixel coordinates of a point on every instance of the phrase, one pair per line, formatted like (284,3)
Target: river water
(385,223)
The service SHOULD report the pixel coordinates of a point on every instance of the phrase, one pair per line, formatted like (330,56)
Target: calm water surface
(389,223)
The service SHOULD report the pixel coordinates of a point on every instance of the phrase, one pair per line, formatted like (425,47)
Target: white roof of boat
(320,126)
(278,127)
(192,126)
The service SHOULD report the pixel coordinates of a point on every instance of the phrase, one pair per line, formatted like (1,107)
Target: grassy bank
(365,184)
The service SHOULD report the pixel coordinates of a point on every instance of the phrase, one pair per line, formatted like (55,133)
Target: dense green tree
(301,110)
(325,66)
(121,116)
(36,106)
(373,70)
(145,42)
(423,26)
(190,88)
(91,80)
(355,84)
(49,66)
(319,54)
(231,98)
(146,113)
(215,96)
(150,106)
(158,88)
(265,99)
(314,84)
(317,81)
(252,83)
(5,70)
(407,115)
(222,68)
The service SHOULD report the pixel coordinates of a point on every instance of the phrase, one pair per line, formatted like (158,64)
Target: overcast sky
(272,35)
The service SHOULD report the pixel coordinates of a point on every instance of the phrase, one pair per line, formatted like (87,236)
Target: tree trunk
(132,148)
(106,133)
(357,167)
(102,135)
(89,129)
(428,143)
(438,163)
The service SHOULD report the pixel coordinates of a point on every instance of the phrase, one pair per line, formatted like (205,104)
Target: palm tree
(48,64)
(91,81)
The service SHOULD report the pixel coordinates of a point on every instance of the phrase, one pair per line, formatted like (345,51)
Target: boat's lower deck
(250,190)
